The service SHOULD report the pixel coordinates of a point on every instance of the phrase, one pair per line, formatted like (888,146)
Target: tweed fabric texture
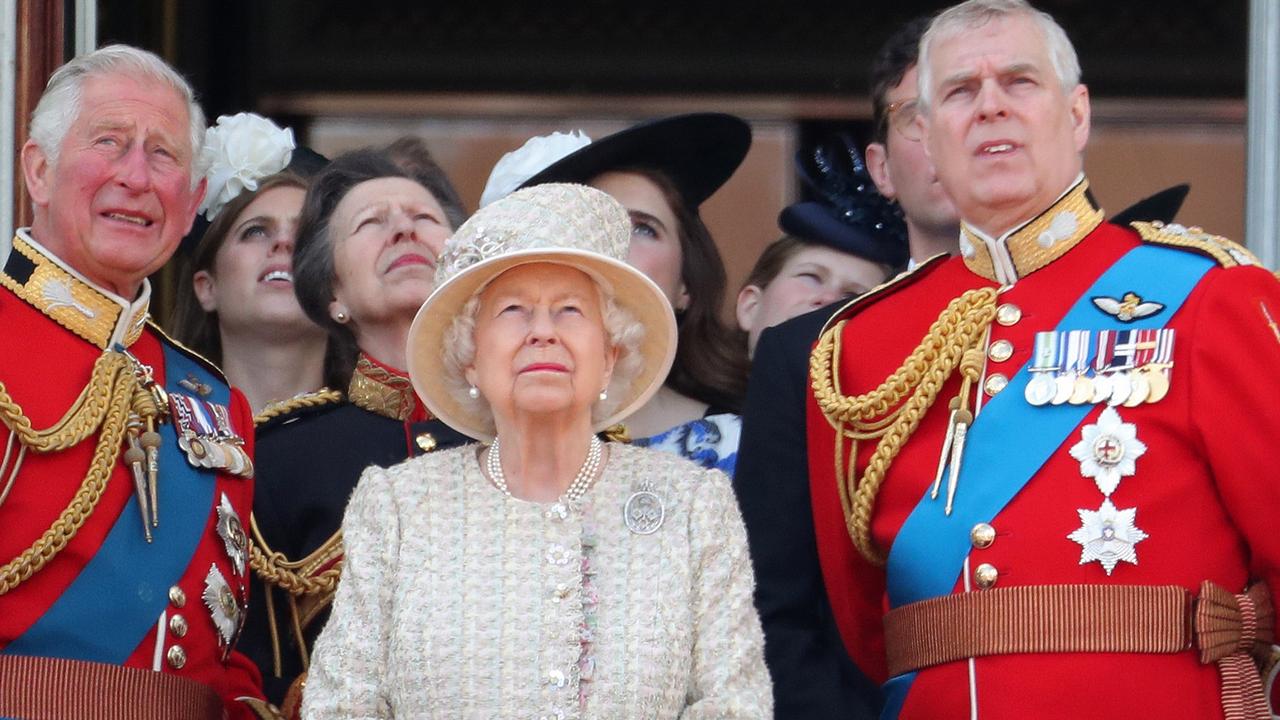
(459,602)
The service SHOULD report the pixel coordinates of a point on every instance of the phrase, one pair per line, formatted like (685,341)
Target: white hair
(59,106)
(623,330)
(966,16)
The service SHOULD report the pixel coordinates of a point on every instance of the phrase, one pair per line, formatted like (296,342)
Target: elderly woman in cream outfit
(545,574)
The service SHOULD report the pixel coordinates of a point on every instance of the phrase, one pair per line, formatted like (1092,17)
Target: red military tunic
(44,367)
(1205,490)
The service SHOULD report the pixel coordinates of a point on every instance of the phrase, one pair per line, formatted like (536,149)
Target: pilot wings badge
(1127,309)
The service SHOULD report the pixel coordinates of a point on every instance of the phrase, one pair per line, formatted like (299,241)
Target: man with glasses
(812,675)
(896,158)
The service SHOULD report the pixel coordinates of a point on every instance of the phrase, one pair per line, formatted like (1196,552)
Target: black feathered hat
(852,216)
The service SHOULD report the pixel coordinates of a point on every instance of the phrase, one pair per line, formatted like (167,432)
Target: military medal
(1138,390)
(205,433)
(644,511)
(1041,388)
(1157,372)
(1078,362)
(1108,536)
(1102,380)
(1065,379)
(1108,450)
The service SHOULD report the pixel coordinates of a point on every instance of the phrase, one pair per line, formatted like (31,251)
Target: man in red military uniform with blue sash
(1042,485)
(126,473)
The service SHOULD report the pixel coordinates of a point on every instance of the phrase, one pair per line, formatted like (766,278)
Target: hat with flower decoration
(565,224)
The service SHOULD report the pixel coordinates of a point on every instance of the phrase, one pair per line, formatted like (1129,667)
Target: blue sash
(1011,439)
(118,597)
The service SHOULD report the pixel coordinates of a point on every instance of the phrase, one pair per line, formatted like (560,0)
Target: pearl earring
(340,316)
(473,392)
(604,394)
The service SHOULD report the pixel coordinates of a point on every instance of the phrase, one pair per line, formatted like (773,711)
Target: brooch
(644,511)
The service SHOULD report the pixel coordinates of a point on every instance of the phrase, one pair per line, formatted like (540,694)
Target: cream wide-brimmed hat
(572,225)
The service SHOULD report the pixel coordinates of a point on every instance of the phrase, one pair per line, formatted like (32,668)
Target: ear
(877,157)
(469,374)
(338,311)
(610,361)
(205,289)
(36,171)
(682,298)
(197,196)
(748,306)
(1080,116)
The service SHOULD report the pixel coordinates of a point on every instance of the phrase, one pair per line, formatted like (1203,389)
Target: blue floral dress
(711,441)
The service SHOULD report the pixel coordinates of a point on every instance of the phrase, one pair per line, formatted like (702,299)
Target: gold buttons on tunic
(426,442)
(1008,314)
(178,626)
(994,384)
(177,597)
(985,575)
(982,535)
(1000,350)
(176,656)
(560,593)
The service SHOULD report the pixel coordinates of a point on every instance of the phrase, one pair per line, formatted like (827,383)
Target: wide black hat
(697,151)
(852,216)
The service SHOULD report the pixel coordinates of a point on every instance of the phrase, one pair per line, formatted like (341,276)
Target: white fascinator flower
(536,155)
(239,151)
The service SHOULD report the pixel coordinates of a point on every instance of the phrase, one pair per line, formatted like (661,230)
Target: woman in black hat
(236,304)
(662,171)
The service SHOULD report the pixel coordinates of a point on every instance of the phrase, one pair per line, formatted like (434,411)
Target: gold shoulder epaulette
(893,284)
(323,396)
(1227,253)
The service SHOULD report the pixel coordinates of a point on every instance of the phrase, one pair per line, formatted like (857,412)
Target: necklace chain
(581,482)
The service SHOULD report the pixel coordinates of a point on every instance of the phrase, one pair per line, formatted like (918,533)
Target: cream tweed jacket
(459,602)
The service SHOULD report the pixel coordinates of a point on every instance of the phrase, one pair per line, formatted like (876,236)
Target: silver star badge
(1108,535)
(224,607)
(1108,450)
(231,530)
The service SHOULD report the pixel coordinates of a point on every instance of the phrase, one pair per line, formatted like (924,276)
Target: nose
(825,297)
(991,101)
(132,170)
(285,238)
(541,330)
(402,227)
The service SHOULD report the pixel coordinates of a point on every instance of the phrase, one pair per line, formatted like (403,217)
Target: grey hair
(623,330)
(974,14)
(59,106)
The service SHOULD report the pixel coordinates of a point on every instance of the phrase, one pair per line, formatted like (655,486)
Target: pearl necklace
(581,482)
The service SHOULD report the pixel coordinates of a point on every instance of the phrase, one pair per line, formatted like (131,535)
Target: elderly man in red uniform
(126,469)
(1043,484)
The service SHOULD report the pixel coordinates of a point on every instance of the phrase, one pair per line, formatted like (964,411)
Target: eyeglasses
(902,116)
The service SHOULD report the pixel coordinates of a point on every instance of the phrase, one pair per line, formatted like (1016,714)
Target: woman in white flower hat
(662,170)
(236,304)
(373,226)
(545,574)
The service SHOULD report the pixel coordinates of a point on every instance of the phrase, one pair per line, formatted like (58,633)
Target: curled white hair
(966,16)
(59,106)
(623,330)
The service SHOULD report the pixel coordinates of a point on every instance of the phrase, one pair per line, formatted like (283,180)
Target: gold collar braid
(1035,244)
(69,300)
(381,391)
(893,410)
(117,394)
